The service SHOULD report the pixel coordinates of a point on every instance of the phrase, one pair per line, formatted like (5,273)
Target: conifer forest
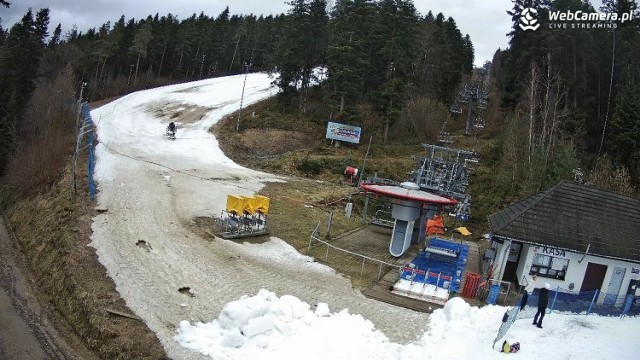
(560,100)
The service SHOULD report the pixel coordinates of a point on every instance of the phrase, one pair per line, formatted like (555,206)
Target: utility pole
(364,162)
(129,78)
(201,65)
(234,53)
(83,85)
(246,71)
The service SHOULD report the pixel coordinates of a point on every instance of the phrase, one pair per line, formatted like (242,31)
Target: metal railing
(84,126)
(314,237)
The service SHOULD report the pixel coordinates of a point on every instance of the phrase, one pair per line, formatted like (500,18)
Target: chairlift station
(410,211)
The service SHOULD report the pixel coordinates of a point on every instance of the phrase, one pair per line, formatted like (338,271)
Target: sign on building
(343,132)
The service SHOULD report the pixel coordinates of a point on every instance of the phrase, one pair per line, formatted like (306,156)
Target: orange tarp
(435,225)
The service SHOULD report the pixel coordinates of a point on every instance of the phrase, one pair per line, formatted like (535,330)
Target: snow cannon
(261,204)
(352,174)
(247,205)
(244,216)
(234,205)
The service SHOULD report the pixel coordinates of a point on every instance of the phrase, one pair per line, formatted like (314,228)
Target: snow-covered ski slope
(151,188)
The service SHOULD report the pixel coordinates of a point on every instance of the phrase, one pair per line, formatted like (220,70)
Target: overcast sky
(486,21)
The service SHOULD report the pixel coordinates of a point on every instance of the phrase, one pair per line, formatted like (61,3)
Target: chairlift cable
(606,117)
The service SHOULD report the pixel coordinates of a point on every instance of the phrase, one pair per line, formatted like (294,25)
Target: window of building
(549,266)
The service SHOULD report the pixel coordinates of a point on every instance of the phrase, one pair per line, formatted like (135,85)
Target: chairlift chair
(444,137)
(382,219)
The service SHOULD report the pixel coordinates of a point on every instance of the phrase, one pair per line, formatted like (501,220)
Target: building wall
(521,273)
(576,269)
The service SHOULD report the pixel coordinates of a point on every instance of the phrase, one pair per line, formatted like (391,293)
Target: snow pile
(456,309)
(462,331)
(269,327)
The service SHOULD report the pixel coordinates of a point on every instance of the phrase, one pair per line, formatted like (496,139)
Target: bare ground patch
(53,230)
(177,112)
(265,143)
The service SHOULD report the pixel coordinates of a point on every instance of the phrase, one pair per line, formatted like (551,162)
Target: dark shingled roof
(571,216)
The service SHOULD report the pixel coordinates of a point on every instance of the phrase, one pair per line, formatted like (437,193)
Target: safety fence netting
(589,302)
(561,300)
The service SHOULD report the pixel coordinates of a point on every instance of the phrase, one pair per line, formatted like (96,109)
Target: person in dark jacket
(543,301)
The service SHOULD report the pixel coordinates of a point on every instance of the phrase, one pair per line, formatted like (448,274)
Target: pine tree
(468,55)
(25,41)
(317,38)
(291,59)
(165,35)
(104,48)
(55,38)
(348,52)
(302,48)
(394,39)
(429,54)
(221,40)
(3,34)
(40,28)
(525,47)
(564,162)
(624,139)
(140,46)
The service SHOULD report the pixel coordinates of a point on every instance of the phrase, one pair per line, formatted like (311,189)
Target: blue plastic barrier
(493,294)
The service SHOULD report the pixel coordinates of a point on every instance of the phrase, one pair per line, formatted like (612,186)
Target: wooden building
(574,236)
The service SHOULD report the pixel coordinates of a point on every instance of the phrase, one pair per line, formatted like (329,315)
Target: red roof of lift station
(407,191)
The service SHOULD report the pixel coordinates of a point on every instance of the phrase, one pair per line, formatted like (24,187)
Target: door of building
(510,270)
(593,277)
(614,286)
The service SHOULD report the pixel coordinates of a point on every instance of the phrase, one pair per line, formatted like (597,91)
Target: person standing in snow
(528,289)
(543,301)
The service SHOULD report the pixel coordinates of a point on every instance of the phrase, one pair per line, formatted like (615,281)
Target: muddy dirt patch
(180,113)
(273,142)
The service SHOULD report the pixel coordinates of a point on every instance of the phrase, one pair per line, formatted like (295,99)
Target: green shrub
(311,166)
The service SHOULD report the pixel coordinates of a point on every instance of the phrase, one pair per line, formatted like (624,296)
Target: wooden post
(366,208)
